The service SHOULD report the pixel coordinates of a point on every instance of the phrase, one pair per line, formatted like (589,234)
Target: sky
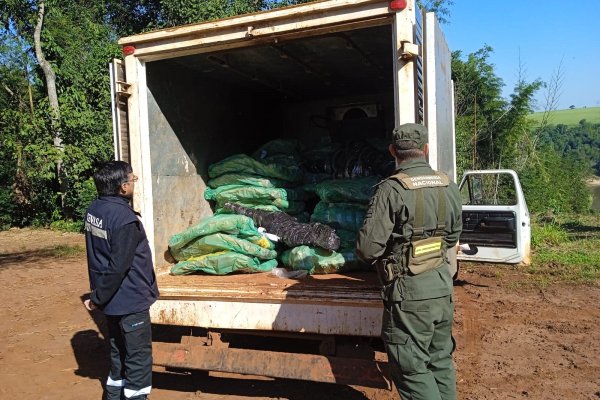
(541,33)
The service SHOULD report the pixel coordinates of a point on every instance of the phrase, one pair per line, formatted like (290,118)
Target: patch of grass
(566,250)
(547,235)
(61,250)
(67,226)
(570,117)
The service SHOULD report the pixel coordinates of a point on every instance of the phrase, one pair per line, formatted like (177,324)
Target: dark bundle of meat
(291,232)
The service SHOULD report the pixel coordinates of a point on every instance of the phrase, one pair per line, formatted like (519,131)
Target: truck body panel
(321,304)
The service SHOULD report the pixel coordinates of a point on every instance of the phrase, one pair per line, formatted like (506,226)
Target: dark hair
(406,150)
(110,176)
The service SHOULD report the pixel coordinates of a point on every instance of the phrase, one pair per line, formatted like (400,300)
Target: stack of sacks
(268,180)
(343,206)
(347,160)
(222,244)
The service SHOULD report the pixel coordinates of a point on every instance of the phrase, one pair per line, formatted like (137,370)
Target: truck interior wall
(310,121)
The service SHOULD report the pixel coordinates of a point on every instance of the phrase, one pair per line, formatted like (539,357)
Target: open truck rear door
(496,221)
(439,105)
(119,94)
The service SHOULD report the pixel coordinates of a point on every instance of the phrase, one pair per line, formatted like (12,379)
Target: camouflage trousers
(418,339)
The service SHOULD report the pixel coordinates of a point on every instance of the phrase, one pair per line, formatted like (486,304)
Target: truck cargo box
(322,72)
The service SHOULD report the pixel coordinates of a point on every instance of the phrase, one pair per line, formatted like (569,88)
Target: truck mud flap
(308,367)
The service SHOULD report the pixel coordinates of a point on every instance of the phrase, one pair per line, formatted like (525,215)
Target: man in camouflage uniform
(413,218)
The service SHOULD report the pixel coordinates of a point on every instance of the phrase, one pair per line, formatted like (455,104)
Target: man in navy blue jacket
(122,280)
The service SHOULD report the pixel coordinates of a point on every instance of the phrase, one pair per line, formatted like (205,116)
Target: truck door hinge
(123,89)
(409,51)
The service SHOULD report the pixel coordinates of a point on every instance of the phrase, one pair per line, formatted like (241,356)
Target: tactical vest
(421,253)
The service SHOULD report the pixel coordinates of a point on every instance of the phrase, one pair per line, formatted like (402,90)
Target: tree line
(55,118)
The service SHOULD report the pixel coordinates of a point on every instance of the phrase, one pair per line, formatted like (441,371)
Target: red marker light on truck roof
(128,50)
(397,5)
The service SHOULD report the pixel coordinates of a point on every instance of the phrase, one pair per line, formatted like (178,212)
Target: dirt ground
(512,341)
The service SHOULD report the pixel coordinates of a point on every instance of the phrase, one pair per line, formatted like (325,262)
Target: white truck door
(119,94)
(496,221)
(439,99)
(439,105)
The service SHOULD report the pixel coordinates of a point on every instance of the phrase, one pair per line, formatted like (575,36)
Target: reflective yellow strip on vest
(427,248)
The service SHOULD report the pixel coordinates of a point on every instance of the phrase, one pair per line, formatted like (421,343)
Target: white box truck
(189,96)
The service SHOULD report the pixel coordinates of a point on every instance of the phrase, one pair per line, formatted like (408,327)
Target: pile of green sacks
(222,244)
(268,180)
(343,205)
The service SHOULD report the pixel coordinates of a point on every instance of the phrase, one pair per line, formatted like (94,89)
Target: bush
(556,184)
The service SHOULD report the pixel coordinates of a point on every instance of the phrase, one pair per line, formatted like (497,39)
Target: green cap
(415,133)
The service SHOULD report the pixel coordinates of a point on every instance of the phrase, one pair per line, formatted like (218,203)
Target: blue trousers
(130,375)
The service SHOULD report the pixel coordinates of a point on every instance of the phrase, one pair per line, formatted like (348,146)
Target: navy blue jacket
(120,267)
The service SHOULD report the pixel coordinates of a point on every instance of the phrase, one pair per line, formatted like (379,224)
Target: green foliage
(177,12)
(67,226)
(489,129)
(556,183)
(439,7)
(79,47)
(581,142)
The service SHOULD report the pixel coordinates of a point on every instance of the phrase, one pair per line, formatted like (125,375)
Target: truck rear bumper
(311,367)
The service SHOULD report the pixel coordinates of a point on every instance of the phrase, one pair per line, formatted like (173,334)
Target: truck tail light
(128,50)
(397,5)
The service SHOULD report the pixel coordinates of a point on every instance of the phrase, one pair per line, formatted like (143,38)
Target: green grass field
(571,117)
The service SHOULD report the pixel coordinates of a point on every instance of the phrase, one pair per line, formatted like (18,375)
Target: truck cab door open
(496,221)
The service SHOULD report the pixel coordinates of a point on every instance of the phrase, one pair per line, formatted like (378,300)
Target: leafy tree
(77,46)
(74,42)
(490,129)
(440,7)
(556,183)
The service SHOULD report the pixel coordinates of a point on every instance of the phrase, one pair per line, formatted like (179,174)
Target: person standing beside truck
(122,280)
(413,218)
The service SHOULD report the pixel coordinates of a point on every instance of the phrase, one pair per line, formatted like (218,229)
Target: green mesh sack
(295,208)
(340,215)
(264,207)
(346,190)
(318,261)
(222,263)
(232,224)
(312,259)
(352,262)
(279,151)
(252,194)
(247,179)
(242,163)
(247,195)
(347,238)
(222,241)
